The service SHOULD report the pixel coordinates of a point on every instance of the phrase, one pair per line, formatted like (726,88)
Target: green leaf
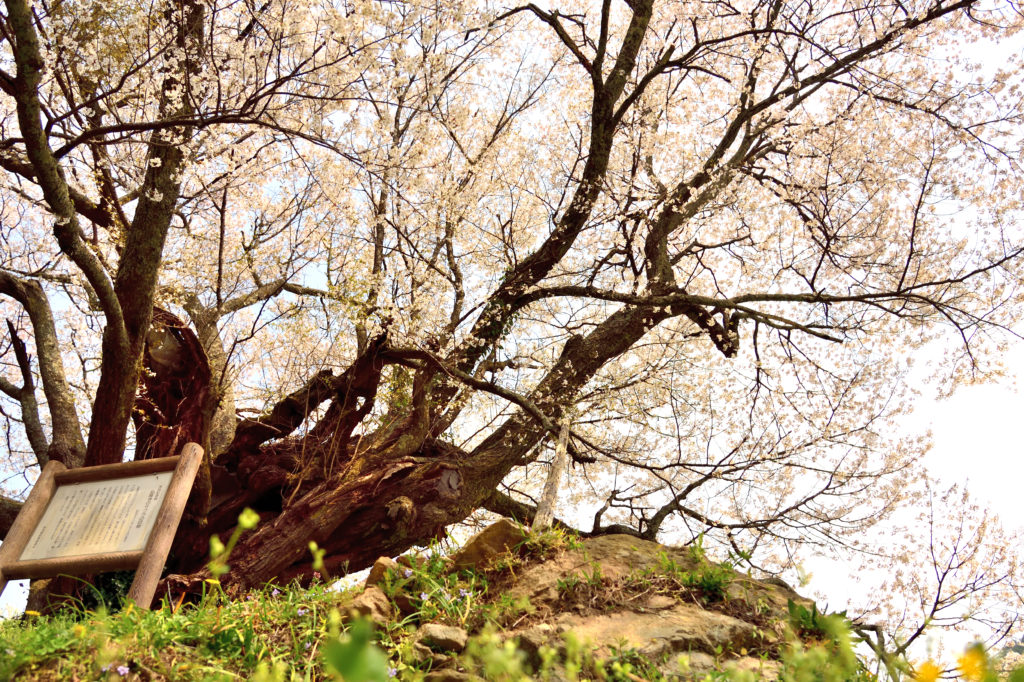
(355,658)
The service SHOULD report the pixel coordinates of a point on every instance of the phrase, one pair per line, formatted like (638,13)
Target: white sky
(976,442)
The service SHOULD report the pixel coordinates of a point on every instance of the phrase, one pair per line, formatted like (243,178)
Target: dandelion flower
(972,664)
(927,672)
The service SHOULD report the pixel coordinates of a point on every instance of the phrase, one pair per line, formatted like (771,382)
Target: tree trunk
(362,496)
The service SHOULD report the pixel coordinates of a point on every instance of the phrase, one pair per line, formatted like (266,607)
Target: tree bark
(66,443)
(8,512)
(139,266)
(546,507)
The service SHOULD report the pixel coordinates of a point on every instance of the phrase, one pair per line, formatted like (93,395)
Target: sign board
(102,518)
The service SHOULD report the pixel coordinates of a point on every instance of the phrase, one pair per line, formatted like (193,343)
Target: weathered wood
(93,563)
(33,510)
(159,544)
(105,472)
(546,507)
(172,407)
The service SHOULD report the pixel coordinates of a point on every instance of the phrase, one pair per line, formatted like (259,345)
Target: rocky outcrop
(380,570)
(670,607)
(671,629)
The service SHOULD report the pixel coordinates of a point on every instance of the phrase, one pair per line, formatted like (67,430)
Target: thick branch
(360,378)
(27,398)
(581,359)
(503,304)
(48,172)
(551,19)
(66,445)
(96,213)
(8,512)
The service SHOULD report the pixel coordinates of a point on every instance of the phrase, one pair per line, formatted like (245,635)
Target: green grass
(216,639)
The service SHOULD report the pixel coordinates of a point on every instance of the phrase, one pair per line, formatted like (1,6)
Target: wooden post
(33,509)
(147,575)
(546,508)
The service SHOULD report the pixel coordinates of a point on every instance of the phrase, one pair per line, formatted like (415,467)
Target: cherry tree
(373,256)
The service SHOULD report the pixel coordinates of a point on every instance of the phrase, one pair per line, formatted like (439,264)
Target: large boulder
(496,540)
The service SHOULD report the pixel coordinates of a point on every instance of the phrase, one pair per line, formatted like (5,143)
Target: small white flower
(155,162)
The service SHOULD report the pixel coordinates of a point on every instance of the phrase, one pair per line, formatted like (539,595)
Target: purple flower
(424,596)
(105,668)
(463,592)
(307,645)
(392,672)
(408,573)
(275,592)
(302,612)
(122,670)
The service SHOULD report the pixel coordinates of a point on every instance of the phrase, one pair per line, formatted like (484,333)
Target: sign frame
(148,562)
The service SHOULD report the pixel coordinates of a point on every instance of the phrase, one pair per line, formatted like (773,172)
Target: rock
(763,670)
(681,629)
(622,556)
(422,651)
(405,604)
(373,604)
(410,560)
(618,556)
(674,632)
(380,568)
(446,637)
(497,539)
(532,639)
(425,653)
(659,602)
(774,597)
(697,665)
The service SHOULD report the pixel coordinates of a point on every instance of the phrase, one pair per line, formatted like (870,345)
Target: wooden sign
(103,518)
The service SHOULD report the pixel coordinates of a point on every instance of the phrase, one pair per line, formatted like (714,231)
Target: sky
(976,443)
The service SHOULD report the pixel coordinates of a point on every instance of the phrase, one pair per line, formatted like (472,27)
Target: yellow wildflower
(927,672)
(972,664)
